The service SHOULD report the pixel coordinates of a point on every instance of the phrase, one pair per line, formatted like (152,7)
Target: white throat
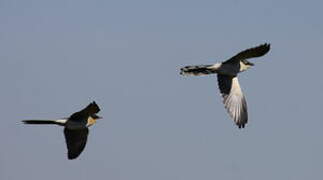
(244,67)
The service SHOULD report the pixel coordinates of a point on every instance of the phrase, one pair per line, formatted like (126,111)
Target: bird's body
(227,72)
(75,128)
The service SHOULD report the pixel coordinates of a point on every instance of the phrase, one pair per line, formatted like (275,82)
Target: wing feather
(250,53)
(233,99)
(75,141)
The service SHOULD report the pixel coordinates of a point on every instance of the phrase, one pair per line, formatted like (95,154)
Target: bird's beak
(99,117)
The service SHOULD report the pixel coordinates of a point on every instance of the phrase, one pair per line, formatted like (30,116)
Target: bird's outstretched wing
(75,141)
(89,110)
(233,99)
(250,53)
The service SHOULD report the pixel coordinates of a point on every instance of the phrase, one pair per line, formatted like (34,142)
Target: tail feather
(197,70)
(57,122)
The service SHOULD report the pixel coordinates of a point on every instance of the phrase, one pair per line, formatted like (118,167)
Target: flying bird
(75,128)
(227,72)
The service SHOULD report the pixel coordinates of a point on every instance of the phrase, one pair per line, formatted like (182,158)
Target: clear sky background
(58,56)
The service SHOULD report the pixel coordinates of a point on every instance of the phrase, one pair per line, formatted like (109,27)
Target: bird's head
(247,63)
(244,65)
(96,117)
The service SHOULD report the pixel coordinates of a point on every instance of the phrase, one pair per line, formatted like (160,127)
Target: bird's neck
(244,67)
(90,121)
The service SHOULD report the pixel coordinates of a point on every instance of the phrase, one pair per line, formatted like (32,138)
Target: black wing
(82,115)
(250,53)
(75,141)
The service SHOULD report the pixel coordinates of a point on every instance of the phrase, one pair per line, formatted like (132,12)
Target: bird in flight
(227,72)
(75,128)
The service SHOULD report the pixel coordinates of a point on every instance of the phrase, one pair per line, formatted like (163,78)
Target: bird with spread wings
(76,128)
(227,73)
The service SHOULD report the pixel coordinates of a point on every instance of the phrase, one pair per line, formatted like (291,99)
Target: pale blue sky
(58,56)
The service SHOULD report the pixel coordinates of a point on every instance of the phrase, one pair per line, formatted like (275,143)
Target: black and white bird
(76,128)
(227,72)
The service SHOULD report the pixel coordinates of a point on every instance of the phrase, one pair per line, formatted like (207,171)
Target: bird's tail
(60,122)
(198,70)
